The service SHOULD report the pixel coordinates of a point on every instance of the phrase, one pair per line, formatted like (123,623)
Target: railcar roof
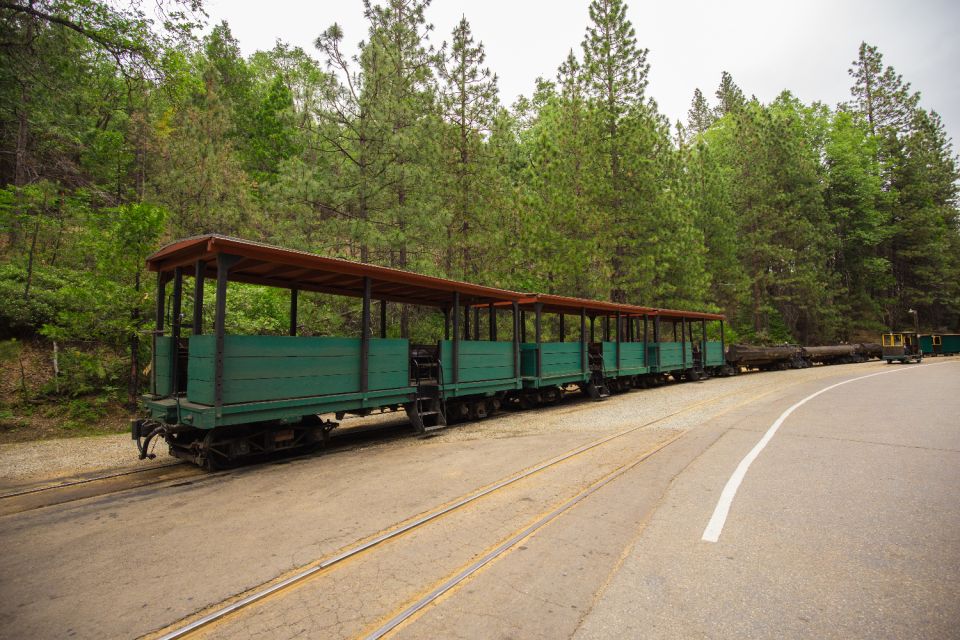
(568,304)
(268,265)
(676,314)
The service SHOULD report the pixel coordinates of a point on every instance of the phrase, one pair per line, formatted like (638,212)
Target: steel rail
(67,485)
(449,584)
(300,576)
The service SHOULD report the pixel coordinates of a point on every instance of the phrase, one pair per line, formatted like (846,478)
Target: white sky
(768,45)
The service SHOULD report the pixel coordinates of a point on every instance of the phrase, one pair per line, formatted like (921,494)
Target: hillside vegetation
(122,130)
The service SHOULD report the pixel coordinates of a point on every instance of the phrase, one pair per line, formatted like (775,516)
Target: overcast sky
(768,45)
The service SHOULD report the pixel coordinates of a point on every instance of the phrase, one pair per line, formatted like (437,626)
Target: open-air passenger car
(216,397)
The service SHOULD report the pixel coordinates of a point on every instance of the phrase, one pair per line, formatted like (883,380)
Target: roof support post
(466,322)
(455,356)
(294,294)
(703,342)
(683,340)
(365,337)
(584,364)
(563,332)
(224,262)
(516,340)
(176,322)
(383,319)
(619,337)
(606,328)
(656,338)
(645,356)
(723,346)
(476,322)
(537,327)
(523,326)
(161,301)
(593,329)
(199,273)
(493,322)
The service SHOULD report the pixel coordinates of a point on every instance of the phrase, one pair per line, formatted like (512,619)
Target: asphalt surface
(846,525)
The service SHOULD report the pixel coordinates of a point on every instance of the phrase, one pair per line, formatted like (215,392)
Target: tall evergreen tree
(880,93)
(615,71)
(730,96)
(469,103)
(700,116)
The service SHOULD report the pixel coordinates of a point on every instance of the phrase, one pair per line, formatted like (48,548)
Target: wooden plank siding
(261,368)
(480,360)
(671,355)
(632,359)
(162,358)
(714,353)
(558,360)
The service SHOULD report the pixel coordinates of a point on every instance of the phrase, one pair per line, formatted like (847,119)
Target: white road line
(719,517)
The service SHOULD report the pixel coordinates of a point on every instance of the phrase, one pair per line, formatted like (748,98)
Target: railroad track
(52,494)
(95,486)
(227,609)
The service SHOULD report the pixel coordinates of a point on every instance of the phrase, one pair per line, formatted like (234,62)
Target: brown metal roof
(675,314)
(567,304)
(277,267)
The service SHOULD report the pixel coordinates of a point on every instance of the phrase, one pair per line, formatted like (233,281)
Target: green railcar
(940,344)
(217,397)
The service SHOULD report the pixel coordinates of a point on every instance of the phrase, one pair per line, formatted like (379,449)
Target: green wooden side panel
(609,358)
(632,356)
(951,344)
(528,360)
(926,344)
(671,355)
(714,353)
(556,359)
(162,358)
(560,359)
(480,360)
(261,368)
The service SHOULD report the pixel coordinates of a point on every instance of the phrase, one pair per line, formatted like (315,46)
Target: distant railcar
(901,347)
(833,354)
(940,344)
(748,356)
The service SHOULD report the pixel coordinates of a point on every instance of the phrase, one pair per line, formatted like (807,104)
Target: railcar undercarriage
(225,446)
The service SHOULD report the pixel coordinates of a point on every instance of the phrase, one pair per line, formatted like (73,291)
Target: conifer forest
(124,126)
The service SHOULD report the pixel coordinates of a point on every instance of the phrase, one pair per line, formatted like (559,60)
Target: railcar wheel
(479,410)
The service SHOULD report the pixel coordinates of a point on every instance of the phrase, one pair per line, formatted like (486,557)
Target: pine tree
(880,93)
(730,96)
(924,253)
(615,71)
(469,103)
(700,116)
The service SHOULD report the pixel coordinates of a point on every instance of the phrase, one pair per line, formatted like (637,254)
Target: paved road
(846,525)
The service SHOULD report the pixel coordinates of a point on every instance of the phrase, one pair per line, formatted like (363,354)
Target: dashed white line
(719,517)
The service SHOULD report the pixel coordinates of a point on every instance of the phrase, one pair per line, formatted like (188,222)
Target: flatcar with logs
(217,398)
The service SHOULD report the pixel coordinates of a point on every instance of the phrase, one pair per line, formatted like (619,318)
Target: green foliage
(83,372)
(123,131)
